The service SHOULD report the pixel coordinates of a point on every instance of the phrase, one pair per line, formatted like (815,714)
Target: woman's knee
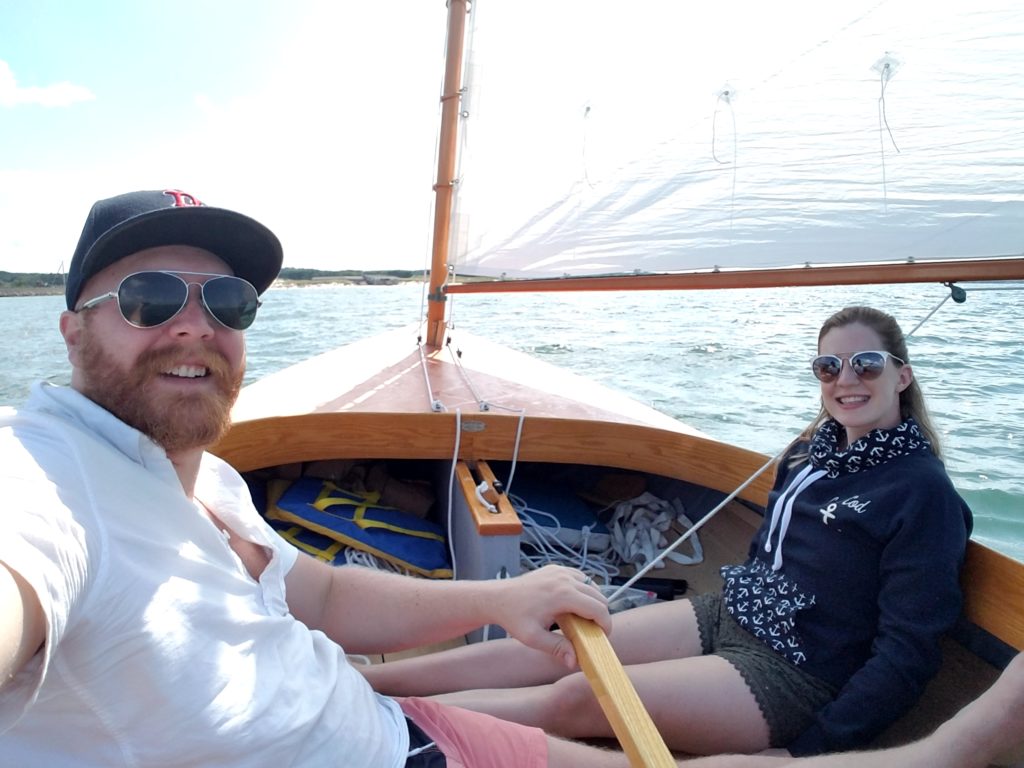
(572,710)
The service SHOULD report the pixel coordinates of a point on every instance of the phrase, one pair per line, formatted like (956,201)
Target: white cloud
(334,151)
(57,95)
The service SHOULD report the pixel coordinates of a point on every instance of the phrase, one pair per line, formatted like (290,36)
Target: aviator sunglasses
(149,299)
(867,365)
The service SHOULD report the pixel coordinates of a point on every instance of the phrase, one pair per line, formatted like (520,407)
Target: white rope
(696,527)
(1015,285)
(955,289)
(502,573)
(451,490)
(929,315)
(639,528)
(515,447)
(541,545)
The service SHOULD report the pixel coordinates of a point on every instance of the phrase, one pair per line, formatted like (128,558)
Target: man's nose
(194,317)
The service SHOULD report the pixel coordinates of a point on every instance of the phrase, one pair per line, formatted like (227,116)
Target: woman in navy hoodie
(830,629)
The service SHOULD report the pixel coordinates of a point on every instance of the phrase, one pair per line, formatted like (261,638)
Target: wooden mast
(632,724)
(444,185)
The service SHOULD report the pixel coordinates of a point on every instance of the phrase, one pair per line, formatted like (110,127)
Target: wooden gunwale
(994,593)
(993,583)
(277,440)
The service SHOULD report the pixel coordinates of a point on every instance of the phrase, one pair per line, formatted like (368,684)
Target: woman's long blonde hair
(893,341)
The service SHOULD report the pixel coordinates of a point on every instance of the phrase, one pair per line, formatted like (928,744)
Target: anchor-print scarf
(876,447)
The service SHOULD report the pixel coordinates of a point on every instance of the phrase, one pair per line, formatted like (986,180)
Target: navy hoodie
(854,576)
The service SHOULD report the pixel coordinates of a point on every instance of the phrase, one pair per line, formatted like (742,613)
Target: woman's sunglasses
(149,299)
(867,365)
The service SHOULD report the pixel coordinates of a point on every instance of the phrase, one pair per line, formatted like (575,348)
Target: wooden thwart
(618,698)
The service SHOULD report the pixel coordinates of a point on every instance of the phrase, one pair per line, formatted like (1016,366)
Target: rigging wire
(888,68)
(435,404)
(451,490)
(885,67)
(485,405)
(959,295)
(439,407)
(586,173)
(727,94)
(1016,285)
(955,292)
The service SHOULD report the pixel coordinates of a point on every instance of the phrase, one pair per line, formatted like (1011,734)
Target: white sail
(666,136)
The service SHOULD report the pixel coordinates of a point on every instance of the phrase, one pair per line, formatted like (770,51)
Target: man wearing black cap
(179,395)
(148,615)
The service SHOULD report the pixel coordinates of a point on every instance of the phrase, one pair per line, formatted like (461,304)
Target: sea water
(733,364)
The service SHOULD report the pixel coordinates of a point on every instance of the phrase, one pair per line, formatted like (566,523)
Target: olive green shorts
(788,697)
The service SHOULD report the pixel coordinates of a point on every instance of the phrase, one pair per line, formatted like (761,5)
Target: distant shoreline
(22,291)
(19,292)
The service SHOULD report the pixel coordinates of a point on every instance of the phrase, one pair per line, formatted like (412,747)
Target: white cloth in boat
(160,649)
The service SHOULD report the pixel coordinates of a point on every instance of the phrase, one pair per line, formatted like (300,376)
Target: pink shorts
(474,740)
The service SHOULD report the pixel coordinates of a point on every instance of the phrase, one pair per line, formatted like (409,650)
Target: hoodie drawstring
(782,511)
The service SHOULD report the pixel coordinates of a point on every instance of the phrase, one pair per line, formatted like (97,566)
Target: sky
(318,118)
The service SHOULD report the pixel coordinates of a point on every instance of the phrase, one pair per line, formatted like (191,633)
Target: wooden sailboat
(470,411)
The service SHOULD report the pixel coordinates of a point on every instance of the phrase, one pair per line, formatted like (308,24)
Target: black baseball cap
(120,226)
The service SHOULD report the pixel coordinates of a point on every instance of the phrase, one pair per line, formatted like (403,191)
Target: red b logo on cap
(182,199)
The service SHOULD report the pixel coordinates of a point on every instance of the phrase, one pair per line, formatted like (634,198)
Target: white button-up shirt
(161,649)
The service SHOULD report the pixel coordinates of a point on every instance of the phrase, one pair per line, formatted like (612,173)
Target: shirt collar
(72,406)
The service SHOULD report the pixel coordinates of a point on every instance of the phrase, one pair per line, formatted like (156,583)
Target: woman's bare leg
(649,633)
(500,663)
(700,705)
(989,730)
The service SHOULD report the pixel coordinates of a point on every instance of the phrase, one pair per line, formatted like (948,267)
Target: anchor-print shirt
(854,575)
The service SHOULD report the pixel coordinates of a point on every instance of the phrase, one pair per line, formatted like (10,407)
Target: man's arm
(22,624)
(370,611)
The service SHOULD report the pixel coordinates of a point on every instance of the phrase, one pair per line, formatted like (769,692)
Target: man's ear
(71,329)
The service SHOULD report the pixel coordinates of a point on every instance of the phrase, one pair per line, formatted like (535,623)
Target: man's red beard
(176,422)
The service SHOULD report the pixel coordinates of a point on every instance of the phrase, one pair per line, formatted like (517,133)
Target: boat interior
(489,544)
(424,431)
(478,471)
